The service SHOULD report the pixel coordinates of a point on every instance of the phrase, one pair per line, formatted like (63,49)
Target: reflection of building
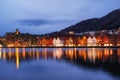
(92,54)
(57,53)
(79,55)
(17,58)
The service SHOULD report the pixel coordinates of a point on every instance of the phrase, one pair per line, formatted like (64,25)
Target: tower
(17,31)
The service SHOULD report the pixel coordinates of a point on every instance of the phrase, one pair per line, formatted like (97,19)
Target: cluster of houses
(99,38)
(93,38)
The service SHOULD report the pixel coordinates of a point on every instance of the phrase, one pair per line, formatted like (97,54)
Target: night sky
(44,16)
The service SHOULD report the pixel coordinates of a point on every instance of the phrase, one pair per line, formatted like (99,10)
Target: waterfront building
(17,32)
(118,40)
(66,41)
(91,41)
(57,42)
(54,41)
(105,40)
(99,40)
(70,42)
(79,41)
(43,41)
(94,41)
(112,39)
(50,41)
(84,41)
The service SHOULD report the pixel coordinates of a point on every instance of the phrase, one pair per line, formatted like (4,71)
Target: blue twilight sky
(44,16)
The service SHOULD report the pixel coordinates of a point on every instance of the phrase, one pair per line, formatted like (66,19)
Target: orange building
(43,41)
(105,40)
(118,40)
(79,41)
(84,41)
(70,42)
(99,40)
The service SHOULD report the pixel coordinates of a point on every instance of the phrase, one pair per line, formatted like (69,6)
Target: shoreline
(66,47)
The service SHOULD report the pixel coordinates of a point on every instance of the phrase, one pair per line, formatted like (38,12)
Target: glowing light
(91,41)
(57,42)
(90,55)
(82,54)
(94,54)
(10,53)
(111,51)
(57,53)
(45,53)
(0,45)
(33,52)
(17,58)
(75,52)
(10,45)
(37,54)
(4,54)
(70,53)
(106,44)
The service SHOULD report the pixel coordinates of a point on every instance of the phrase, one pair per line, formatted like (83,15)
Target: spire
(17,31)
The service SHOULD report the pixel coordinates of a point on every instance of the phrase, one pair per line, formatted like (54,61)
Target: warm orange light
(17,58)
(45,53)
(111,51)
(0,45)
(71,53)
(82,54)
(75,49)
(57,53)
(10,53)
(4,54)
(37,54)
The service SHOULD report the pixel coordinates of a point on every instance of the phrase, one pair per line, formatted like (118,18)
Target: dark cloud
(36,22)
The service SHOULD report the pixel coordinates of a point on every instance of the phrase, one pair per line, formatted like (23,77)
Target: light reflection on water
(104,59)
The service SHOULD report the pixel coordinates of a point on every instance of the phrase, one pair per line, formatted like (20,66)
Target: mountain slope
(108,22)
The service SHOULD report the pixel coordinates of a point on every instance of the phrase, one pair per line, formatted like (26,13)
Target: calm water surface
(59,63)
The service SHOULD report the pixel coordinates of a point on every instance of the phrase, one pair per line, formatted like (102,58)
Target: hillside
(108,22)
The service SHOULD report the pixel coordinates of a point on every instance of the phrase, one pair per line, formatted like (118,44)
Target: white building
(94,41)
(91,41)
(57,42)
